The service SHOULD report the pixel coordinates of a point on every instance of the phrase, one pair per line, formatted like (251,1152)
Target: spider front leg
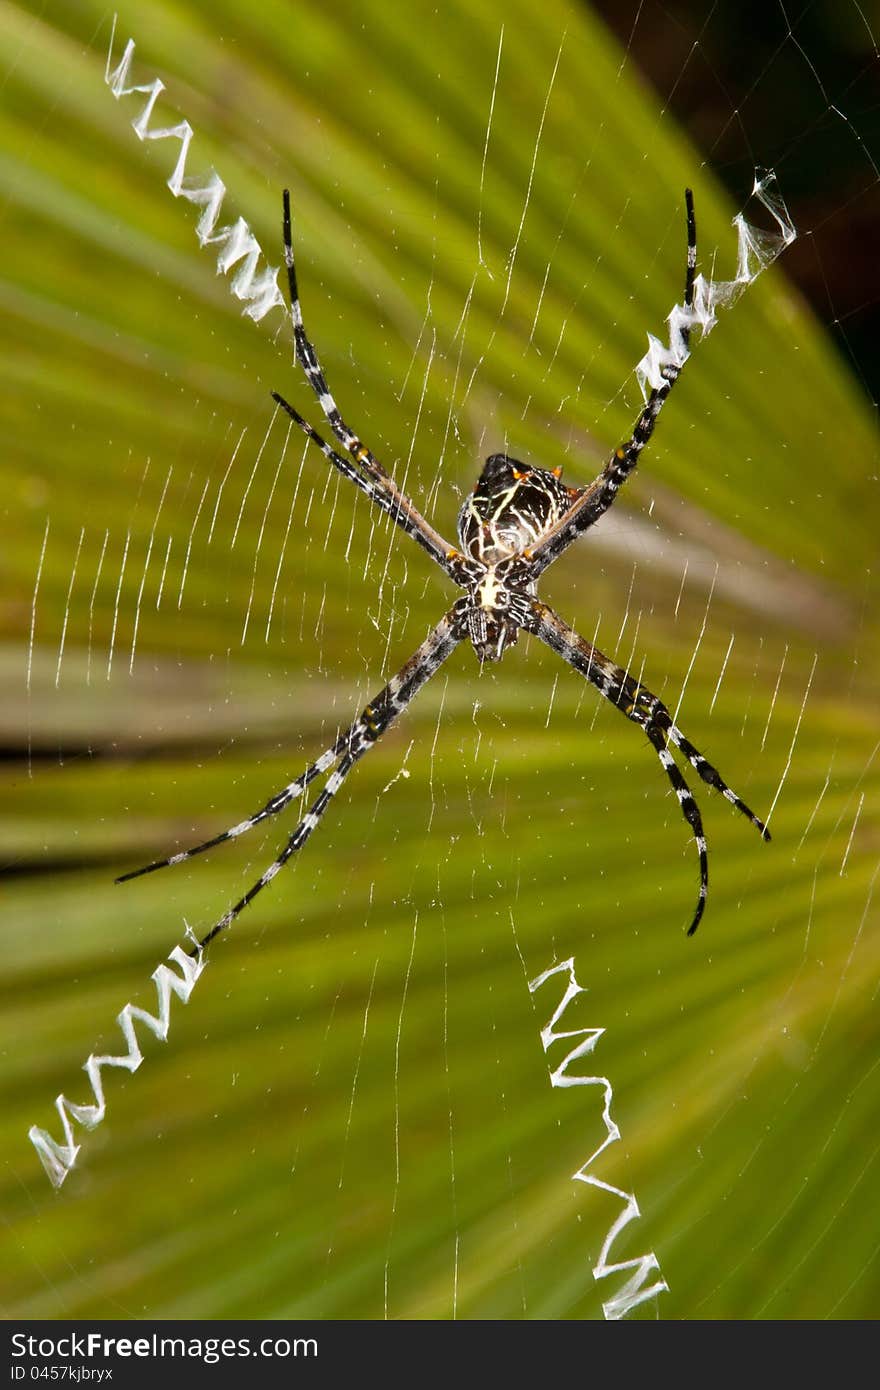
(393,502)
(307,358)
(349,748)
(366,472)
(646,710)
(591,502)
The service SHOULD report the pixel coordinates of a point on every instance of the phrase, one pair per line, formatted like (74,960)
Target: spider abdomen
(511,508)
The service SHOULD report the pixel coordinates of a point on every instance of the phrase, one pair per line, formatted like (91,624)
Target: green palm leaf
(353,1115)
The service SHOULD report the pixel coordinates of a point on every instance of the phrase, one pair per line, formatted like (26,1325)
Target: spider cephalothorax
(497,604)
(514,524)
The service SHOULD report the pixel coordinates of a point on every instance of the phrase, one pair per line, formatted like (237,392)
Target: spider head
(491,632)
(511,508)
(496,606)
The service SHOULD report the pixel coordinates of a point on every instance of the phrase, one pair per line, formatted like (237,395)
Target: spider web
(357,1089)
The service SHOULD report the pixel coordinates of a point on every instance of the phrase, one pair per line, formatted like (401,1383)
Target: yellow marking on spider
(620,453)
(557,472)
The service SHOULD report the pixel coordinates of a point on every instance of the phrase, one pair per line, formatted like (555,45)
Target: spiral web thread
(58,1159)
(636,1290)
(235,242)
(756,250)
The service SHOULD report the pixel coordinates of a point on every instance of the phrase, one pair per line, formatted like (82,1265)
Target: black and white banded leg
(394,503)
(649,712)
(276,803)
(595,499)
(349,748)
(601,493)
(369,474)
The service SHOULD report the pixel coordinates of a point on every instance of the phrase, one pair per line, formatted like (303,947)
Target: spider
(514,524)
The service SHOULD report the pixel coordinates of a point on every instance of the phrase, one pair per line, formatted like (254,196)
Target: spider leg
(394,504)
(380,483)
(691,812)
(646,710)
(377,717)
(595,499)
(276,803)
(348,749)
(307,358)
(296,841)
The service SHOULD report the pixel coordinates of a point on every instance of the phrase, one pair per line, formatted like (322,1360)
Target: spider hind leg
(346,752)
(638,704)
(706,770)
(276,803)
(691,812)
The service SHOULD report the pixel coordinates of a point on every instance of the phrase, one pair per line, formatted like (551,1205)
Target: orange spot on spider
(519,476)
(619,453)
(557,472)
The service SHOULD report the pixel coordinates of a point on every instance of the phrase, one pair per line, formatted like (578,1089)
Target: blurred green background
(353,1117)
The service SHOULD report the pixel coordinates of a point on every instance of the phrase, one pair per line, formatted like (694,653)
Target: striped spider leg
(644,709)
(348,750)
(394,503)
(591,502)
(366,472)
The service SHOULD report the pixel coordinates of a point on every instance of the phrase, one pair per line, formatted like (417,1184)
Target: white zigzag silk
(58,1159)
(636,1290)
(755,251)
(236,242)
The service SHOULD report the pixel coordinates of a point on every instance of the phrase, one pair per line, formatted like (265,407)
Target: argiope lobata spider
(515,523)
